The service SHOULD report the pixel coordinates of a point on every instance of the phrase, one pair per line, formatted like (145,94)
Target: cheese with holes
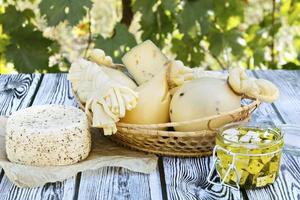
(48,135)
(144,61)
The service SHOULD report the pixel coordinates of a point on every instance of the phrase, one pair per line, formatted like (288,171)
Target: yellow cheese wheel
(153,102)
(201,98)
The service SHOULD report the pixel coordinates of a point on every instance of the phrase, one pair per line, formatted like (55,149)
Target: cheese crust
(48,135)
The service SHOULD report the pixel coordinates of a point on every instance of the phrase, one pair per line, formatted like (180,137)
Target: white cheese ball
(201,98)
(48,135)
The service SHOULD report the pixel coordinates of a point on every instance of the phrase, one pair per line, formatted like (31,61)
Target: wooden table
(175,178)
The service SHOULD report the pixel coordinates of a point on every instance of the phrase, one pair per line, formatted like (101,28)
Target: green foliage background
(212,34)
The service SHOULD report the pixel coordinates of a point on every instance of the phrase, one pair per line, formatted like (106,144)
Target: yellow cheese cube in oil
(254,167)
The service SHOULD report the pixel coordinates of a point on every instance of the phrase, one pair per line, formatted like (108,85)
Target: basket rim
(141,131)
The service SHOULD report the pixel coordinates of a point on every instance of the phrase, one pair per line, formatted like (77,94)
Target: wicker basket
(151,138)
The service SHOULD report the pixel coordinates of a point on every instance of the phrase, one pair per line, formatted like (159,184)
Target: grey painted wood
(14,99)
(53,191)
(288,82)
(287,107)
(265,112)
(55,89)
(113,183)
(186,179)
(16,91)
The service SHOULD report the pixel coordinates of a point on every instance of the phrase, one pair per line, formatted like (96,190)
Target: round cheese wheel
(201,98)
(48,135)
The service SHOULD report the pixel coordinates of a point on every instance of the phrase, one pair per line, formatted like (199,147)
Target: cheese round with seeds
(48,135)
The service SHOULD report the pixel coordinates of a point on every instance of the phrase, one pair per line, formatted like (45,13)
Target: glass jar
(247,155)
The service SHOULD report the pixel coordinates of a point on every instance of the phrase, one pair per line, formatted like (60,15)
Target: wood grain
(265,112)
(288,82)
(113,183)
(54,191)
(186,179)
(287,186)
(55,89)
(18,91)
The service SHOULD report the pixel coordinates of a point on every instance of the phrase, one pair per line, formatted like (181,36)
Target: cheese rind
(48,135)
(153,102)
(144,61)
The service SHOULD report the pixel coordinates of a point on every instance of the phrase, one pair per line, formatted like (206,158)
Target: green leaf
(231,40)
(186,50)
(226,10)
(4,41)
(170,5)
(27,47)
(156,24)
(195,11)
(12,19)
(217,43)
(28,50)
(60,10)
(290,66)
(118,44)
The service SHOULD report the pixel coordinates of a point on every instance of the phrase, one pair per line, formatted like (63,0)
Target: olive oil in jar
(248,155)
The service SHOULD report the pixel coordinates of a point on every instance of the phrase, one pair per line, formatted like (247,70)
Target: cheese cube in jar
(255,151)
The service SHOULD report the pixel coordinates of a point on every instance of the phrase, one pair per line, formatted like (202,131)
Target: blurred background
(47,35)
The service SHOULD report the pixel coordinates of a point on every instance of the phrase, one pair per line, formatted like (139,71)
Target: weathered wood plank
(14,99)
(186,179)
(16,91)
(287,107)
(55,89)
(265,112)
(50,191)
(288,82)
(113,183)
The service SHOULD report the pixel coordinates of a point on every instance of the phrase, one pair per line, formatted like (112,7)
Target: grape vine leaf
(27,47)
(190,55)
(227,9)
(170,5)
(60,10)
(11,19)
(118,44)
(195,11)
(155,23)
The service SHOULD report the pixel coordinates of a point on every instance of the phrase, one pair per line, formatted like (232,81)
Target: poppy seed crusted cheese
(47,135)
